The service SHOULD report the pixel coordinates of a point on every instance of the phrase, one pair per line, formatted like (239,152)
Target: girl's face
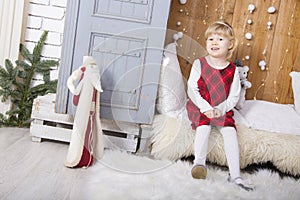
(218,45)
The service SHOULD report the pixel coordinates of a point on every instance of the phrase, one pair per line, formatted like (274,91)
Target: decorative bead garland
(205,13)
(248,35)
(262,63)
(276,84)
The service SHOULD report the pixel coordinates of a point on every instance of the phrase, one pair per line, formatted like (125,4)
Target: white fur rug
(173,139)
(119,175)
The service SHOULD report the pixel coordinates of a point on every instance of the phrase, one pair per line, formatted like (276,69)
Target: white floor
(30,170)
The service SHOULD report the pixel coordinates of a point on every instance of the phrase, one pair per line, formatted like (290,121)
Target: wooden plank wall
(279,46)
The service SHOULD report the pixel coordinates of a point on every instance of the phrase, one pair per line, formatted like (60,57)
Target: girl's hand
(209,114)
(217,113)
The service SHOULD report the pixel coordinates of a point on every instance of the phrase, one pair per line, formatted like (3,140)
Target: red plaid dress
(214,86)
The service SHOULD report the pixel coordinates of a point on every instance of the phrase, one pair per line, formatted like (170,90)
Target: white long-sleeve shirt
(202,104)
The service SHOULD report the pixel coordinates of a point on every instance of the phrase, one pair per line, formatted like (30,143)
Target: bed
(267,132)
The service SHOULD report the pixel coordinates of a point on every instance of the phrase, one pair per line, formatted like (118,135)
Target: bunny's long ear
(75,76)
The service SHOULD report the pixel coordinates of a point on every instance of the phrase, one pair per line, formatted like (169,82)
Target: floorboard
(31,170)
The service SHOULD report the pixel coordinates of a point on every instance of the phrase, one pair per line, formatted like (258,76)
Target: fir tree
(16,83)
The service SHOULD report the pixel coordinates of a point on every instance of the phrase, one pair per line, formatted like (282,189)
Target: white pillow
(296,89)
(171,90)
(272,117)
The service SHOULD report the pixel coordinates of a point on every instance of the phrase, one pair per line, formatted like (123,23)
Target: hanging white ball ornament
(249,21)
(180,34)
(271,10)
(251,7)
(247,57)
(175,37)
(269,24)
(248,36)
(178,23)
(262,64)
(182,2)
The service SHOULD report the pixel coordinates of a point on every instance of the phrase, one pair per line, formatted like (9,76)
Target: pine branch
(45,65)
(23,64)
(25,54)
(37,51)
(15,83)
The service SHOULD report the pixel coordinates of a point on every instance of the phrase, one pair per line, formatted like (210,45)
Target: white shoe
(246,185)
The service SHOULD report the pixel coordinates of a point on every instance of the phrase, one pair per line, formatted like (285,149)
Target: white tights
(231,147)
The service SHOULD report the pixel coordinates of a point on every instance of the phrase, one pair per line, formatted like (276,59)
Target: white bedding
(268,116)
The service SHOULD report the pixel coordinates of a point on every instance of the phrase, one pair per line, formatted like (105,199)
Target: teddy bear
(245,84)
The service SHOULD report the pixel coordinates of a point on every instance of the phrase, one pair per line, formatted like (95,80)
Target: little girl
(213,90)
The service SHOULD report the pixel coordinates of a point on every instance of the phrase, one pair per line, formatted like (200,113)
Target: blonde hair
(224,29)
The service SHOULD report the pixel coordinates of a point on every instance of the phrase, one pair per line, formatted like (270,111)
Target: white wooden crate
(47,124)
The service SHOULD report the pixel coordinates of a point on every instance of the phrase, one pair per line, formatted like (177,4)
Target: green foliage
(16,83)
